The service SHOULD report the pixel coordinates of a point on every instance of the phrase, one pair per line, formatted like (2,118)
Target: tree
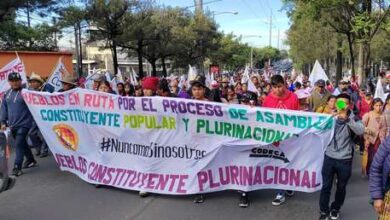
(310,40)
(366,24)
(231,53)
(7,8)
(333,14)
(357,20)
(16,36)
(136,31)
(73,16)
(197,40)
(109,18)
(168,23)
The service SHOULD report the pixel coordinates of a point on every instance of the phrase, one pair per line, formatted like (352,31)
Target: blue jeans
(281,192)
(343,170)
(21,146)
(37,140)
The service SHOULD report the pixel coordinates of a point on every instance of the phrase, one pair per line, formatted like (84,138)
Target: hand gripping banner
(178,146)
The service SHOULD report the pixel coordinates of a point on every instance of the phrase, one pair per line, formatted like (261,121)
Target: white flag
(231,82)
(379,92)
(15,65)
(112,82)
(56,75)
(182,82)
(114,85)
(133,78)
(108,76)
(89,82)
(317,73)
(119,76)
(191,75)
(246,79)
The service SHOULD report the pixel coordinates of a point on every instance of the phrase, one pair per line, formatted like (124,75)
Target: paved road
(47,193)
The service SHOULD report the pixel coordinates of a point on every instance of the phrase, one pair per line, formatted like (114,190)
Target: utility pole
(252,57)
(199,5)
(80,49)
(76,45)
(278,38)
(270,30)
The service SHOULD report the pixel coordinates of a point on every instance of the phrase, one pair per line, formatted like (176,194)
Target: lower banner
(177,146)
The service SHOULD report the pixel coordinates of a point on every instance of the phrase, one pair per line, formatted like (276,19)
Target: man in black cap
(16,115)
(198,86)
(198,90)
(319,96)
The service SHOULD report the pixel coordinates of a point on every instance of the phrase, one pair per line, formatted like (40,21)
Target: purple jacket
(379,171)
(183,94)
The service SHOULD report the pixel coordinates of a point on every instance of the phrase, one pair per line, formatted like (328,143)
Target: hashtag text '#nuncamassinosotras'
(154,150)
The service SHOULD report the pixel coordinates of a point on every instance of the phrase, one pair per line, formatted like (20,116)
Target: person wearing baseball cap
(319,96)
(16,115)
(198,90)
(343,88)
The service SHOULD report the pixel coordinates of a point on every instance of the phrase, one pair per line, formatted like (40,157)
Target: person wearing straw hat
(36,83)
(68,82)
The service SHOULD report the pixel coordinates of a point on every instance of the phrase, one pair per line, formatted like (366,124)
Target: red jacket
(363,107)
(288,101)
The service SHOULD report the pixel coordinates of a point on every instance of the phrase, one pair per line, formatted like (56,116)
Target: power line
(268,4)
(253,12)
(262,7)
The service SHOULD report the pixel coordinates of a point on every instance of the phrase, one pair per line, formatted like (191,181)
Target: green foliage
(16,36)
(231,53)
(309,38)
(362,25)
(262,55)
(71,16)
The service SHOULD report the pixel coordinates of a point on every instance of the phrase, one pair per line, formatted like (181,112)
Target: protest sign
(15,65)
(177,146)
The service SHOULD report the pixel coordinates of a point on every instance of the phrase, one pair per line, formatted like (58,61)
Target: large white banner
(15,65)
(177,146)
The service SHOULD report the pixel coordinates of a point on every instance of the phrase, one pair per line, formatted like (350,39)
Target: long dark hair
(106,83)
(215,95)
(376,100)
(122,93)
(131,90)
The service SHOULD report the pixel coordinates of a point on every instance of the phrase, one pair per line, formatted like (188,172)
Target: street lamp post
(223,12)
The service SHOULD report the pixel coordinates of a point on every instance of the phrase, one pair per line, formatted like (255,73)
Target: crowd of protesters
(362,122)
